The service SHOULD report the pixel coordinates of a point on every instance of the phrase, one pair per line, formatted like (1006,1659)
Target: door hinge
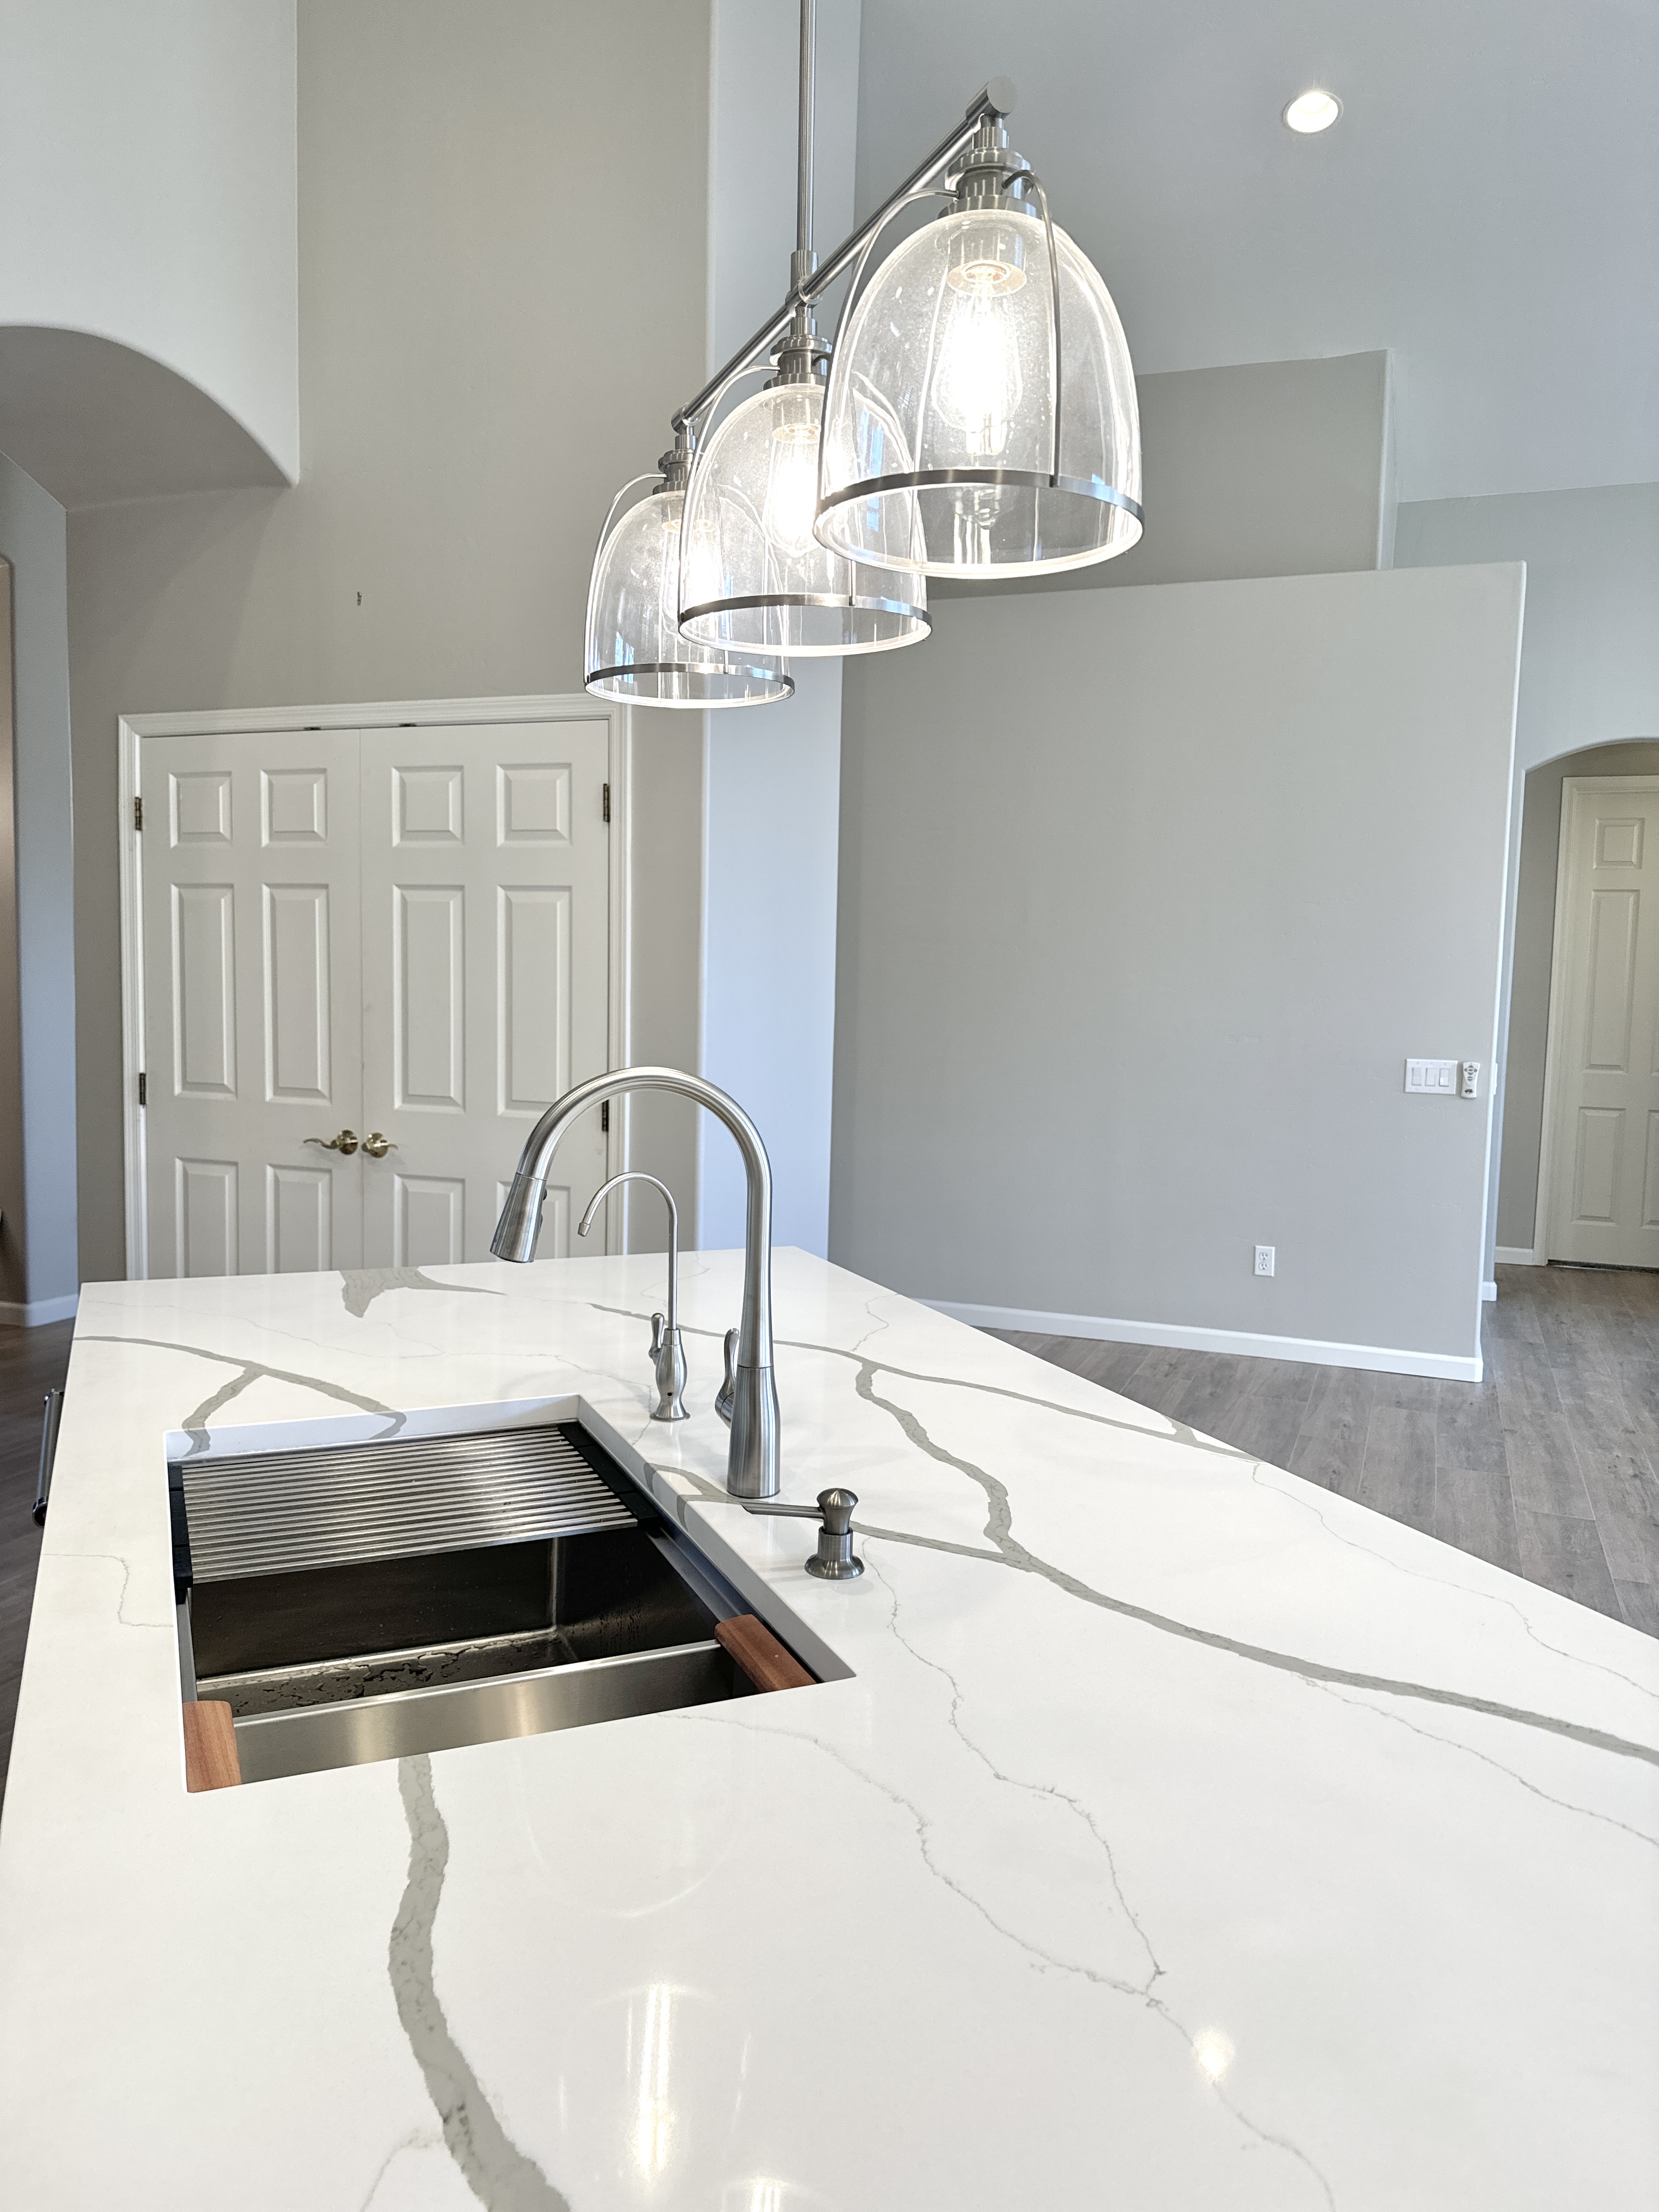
(143,1099)
(605,1117)
(137,813)
(607,802)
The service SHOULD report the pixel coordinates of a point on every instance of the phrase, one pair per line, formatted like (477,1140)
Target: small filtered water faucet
(667,1346)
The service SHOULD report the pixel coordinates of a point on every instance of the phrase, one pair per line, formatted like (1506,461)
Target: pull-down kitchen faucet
(752,1464)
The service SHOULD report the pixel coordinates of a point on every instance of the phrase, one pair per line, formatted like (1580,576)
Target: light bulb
(987,273)
(692,569)
(979,385)
(791,484)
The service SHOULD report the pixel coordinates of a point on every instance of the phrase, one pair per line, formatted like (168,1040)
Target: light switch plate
(1432,1078)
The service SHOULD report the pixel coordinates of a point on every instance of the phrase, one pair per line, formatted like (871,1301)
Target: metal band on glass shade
(672,683)
(634,651)
(754,578)
(956,441)
(1086,488)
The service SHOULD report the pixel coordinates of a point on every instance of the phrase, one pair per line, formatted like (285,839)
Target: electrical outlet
(1264,1259)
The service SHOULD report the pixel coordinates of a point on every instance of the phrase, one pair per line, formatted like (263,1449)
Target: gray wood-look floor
(32,1362)
(1550,1467)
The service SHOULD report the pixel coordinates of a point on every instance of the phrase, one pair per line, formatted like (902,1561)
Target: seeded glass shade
(939,437)
(754,578)
(634,650)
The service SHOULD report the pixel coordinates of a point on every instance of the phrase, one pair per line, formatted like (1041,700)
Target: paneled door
(371,958)
(252,1036)
(1604,1027)
(485,977)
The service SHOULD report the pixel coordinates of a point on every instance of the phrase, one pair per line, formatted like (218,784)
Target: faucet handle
(668,1365)
(725,1397)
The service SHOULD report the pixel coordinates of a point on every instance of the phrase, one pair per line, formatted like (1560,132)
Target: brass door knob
(345,1142)
(377,1146)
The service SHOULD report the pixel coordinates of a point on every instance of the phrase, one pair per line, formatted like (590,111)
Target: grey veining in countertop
(1185,1835)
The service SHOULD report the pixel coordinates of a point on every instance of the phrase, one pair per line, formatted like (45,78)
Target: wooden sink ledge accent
(210,1760)
(767,1663)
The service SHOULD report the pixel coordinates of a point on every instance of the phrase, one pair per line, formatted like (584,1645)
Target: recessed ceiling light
(1313,110)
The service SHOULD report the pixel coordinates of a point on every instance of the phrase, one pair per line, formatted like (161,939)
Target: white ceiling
(1487,205)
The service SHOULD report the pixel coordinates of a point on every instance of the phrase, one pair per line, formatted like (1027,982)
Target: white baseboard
(1381,1359)
(42,1311)
(1519,1255)
(1488,1291)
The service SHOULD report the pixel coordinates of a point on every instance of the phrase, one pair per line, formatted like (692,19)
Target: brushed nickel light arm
(995,100)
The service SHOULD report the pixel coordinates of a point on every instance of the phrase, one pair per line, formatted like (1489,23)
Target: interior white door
(486,886)
(1604,1157)
(253,1041)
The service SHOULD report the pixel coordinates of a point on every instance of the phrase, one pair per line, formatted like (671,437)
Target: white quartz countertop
(1185,1836)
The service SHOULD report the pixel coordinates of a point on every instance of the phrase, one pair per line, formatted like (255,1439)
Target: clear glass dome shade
(939,448)
(633,648)
(754,578)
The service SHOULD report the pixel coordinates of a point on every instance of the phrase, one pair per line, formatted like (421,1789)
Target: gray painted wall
(147,162)
(773,773)
(32,538)
(770,877)
(14,1285)
(1273,468)
(1145,896)
(1589,678)
(1589,668)
(475,380)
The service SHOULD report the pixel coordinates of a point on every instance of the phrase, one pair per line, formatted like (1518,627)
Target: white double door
(1604,1148)
(399,936)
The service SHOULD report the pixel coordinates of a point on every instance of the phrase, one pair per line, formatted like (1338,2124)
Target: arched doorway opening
(1531,1167)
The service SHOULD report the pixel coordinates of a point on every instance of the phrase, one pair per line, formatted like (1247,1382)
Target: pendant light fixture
(753,577)
(634,651)
(980,417)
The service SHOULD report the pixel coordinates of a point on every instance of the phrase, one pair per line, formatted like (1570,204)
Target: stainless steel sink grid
(265,1512)
(361,1600)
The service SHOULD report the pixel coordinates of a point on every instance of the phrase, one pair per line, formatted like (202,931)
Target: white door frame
(297,721)
(1555,1044)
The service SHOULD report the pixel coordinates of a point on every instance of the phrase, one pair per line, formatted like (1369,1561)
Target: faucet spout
(667,1348)
(752,1461)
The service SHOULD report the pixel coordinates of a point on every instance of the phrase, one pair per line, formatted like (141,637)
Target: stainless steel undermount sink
(353,1599)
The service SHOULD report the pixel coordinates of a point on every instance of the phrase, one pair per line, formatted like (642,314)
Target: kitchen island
(1184,1836)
